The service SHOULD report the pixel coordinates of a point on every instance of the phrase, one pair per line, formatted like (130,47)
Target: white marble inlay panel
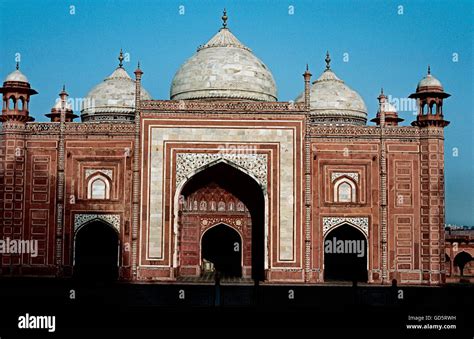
(83,218)
(352,175)
(284,136)
(362,223)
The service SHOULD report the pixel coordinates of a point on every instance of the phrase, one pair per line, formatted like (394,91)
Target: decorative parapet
(222,106)
(101,128)
(81,128)
(324,131)
(43,127)
(12,127)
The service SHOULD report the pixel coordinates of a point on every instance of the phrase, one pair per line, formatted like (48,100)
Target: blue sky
(382,43)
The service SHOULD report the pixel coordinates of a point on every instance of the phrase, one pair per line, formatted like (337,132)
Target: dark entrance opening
(461,260)
(222,246)
(345,255)
(247,190)
(96,253)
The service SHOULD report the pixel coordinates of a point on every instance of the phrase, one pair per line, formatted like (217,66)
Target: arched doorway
(96,252)
(461,260)
(345,254)
(222,246)
(246,203)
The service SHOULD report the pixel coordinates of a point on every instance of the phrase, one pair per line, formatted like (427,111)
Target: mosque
(223,177)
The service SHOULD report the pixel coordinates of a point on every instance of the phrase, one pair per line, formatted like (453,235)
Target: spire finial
(328,61)
(121,58)
(64,88)
(17,65)
(429,70)
(382,98)
(307,73)
(224,19)
(138,72)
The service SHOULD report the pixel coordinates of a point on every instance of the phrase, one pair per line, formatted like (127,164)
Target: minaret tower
(430,120)
(16,92)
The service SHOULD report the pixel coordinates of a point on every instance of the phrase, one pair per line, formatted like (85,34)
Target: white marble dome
(16,75)
(112,99)
(333,102)
(429,81)
(223,68)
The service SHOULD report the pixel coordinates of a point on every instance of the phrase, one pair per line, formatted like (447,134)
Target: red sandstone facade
(387,181)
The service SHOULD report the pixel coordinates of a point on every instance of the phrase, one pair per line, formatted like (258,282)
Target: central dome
(223,68)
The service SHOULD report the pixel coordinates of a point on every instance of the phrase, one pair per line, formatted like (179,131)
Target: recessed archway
(222,246)
(345,254)
(96,252)
(246,190)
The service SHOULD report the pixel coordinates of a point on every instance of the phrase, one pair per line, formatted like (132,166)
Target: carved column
(136,172)
(60,194)
(432,206)
(383,188)
(307,170)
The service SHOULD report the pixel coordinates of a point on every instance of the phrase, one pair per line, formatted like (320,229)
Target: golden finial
(17,65)
(429,70)
(121,58)
(224,19)
(306,72)
(328,61)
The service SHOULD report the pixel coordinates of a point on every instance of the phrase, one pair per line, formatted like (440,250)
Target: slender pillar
(136,172)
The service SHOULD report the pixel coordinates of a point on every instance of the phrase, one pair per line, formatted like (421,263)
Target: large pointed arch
(345,265)
(260,245)
(96,250)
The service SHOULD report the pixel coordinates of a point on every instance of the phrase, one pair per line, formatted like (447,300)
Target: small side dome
(113,98)
(387,108)
(62,104)
(332,102)
(429,82)
(16,75)
(59,105)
